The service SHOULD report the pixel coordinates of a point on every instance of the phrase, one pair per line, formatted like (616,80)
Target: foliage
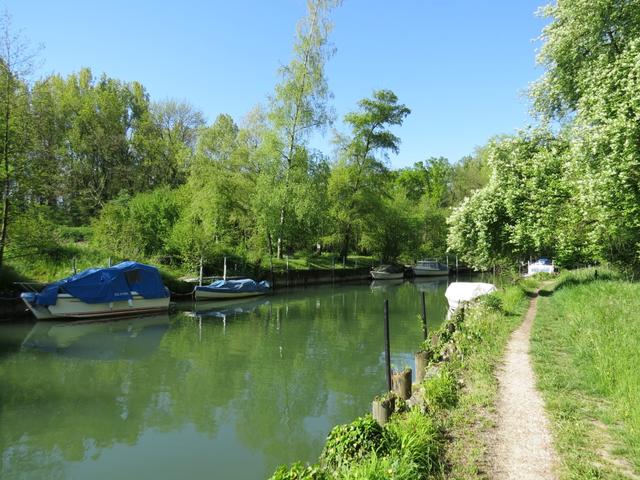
(298,471)
(133,227)
(441,390)
(353,441)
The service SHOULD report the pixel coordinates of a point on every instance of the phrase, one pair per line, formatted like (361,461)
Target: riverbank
(442,436)
(585,347)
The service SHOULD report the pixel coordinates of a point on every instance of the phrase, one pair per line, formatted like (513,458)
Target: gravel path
(522,448)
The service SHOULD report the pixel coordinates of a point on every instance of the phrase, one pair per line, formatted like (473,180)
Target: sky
(461,66)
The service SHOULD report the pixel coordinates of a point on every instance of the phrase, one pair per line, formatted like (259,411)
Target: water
(214,390)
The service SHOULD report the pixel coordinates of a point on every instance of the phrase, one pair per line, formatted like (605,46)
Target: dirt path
(522,447)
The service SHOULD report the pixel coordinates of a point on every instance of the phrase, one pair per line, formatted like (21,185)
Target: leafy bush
(491,302)
(441,390)
(74,234)
(353,441)
(33,232)
(298,471)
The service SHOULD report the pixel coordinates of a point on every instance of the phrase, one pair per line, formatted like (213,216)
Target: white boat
(542,265)
(225,289)
(430,268)
(460,292)
(387,272)
(128,288)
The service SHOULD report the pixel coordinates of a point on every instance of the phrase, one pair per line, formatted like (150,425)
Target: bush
(441,390)
(298,471)
(353,441)
(74,234)
(491,302)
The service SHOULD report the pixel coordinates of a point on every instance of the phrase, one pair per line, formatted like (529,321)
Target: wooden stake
(382,408)
(387,353)
(200,276)
(402,384)
(422,360)
(424,316)
(224,271)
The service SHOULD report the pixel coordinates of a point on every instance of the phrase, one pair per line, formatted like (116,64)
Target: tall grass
(586,348)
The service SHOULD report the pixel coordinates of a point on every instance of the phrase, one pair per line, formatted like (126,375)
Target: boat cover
(236,286)
(466,291)
(104,285)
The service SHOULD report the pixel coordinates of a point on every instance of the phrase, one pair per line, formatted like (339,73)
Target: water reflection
(160,396)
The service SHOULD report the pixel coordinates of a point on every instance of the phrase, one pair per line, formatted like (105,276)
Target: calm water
(211,391)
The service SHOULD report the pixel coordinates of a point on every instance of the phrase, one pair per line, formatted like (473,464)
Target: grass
(585,347)
(325,261)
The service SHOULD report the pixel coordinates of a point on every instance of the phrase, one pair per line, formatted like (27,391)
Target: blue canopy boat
(244,287)
(124,289)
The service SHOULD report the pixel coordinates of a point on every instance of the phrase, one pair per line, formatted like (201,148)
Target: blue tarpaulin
(236,286)
(104,285)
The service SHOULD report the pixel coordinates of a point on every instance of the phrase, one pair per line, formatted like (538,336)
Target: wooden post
(344,262)
(109,262)
(456,262)
(387,353)
(422,360)
(424,316)
(73,265)
(382,408)
(595,274)
(201,268)
(402,384)
(224,269)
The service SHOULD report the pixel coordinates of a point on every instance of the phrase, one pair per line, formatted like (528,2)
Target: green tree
(298,107)
(358,181)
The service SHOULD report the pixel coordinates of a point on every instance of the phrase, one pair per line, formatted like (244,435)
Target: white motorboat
(128,288)
(226,289)
(430,268)
(387,272)
(542,265)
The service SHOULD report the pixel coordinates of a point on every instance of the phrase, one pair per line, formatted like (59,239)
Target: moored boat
(458,293)
(430,268)
(387,272)
(129,288)
(244,287)
(542,265)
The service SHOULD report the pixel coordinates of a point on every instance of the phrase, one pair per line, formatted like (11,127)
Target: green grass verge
(585,347)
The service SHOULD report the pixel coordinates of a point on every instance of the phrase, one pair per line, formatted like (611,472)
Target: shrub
(353,441)
(298,471)
(74,234)
(441,390)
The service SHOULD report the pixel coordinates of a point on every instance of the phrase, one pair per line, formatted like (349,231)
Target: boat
(244,287)
(542,265)
(430,268)
(129,288)
(458,293)
(388,272)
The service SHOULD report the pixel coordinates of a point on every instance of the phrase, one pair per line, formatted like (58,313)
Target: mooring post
(224,269)
(75,270)
(200,275)
(109,262)
(595,274)
(387,353)
(424,316)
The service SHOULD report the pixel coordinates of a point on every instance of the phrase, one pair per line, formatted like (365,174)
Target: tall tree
(299,105)
(357,182)
(16,62)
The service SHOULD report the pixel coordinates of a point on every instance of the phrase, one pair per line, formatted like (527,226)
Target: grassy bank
(442,435)
(585,347)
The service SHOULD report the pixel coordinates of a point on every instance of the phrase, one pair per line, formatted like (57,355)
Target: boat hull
(386,276)
(208,295)
(419,272)
(67,306)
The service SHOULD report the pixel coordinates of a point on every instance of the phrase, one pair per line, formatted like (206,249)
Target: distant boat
(245,287)
(542,265)
(129,288)
(388,272)
(430,268)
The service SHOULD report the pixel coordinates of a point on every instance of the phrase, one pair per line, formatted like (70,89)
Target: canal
(213,390)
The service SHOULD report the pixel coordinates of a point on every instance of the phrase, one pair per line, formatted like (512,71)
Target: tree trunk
(5,159)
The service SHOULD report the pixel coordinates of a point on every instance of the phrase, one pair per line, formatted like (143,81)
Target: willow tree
(298,107)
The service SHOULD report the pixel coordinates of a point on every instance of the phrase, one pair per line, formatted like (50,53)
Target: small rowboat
(245,287)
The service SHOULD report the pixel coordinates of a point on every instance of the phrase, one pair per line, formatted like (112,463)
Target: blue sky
(460,65)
